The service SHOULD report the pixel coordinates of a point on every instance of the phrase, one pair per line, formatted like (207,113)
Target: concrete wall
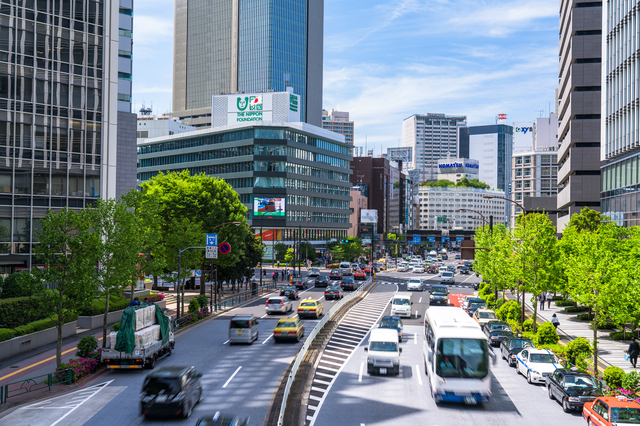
(22,344)
(127,155)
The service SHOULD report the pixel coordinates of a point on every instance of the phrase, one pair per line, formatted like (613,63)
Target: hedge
(605,326)
(32,327)
(19,311)
(561,303)
(557,298)
(585,317)
(619,335)
(574,309)
(116,303)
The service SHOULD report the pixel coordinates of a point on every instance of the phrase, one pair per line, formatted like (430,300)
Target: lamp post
(475,211)
(524,229)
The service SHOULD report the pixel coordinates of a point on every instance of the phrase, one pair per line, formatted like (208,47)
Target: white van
(384,352)
(345,269)
(401,305)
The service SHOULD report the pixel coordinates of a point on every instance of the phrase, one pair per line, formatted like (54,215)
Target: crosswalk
(347,337)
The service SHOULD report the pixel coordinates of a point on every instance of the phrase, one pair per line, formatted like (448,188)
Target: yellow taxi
(310,308)
(288,329)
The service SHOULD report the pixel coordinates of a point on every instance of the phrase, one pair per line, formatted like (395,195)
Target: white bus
(456,357)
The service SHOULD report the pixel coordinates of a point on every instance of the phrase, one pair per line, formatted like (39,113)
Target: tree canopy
(464,183)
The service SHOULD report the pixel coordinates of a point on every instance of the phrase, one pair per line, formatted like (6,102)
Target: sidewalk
(609,351)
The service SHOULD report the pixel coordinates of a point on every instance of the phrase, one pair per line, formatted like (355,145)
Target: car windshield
(500,327)
(468,358)
(401,301)
(520,344)
(543,358)
(308,304)
(161,385)
(287,324)
(477,304)
(439,291)
(383,346)
(579,382)
(487,315)
(389,323)
(447,274)
(625,415)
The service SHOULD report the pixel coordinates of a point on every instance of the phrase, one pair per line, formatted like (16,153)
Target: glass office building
(58,132)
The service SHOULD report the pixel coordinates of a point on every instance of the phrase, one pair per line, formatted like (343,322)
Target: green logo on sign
(242,104)
(293,103)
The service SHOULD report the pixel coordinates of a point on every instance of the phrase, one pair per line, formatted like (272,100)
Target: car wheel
(517,368)
(551,393)
(151,364)
(589,421)
(565,406)
(529,377)
(502,355)
(396,371)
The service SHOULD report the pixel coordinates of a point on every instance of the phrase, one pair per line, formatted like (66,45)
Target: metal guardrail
(33,384)
(307,344)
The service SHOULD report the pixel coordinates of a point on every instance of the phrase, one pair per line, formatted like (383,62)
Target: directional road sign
(225,248)
(212,252)
(212,240)
(416,239)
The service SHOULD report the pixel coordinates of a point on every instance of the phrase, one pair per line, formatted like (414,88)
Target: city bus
(456,357)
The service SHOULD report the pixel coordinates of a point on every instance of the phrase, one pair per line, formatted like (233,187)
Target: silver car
(447,277)
(278,304)
(243,329)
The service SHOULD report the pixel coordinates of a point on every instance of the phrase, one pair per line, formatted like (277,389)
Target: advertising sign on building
(368,216)
(269,207)
(523,135)
(278,107)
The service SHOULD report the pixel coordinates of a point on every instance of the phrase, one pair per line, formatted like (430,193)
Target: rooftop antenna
(145,111)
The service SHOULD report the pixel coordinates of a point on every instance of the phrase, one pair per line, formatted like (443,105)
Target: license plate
(383,371)
(470,400)
(285,333)
(238,331)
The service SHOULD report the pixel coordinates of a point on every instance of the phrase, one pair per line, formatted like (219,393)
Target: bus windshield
(462,358)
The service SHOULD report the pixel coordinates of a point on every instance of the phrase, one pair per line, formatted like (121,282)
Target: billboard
(268,207)
(368,216)
(523,136)
(280,107)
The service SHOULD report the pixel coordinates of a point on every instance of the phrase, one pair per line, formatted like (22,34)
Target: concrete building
(546,133)
(432,136)
(302,169)
(152,126)
(338,121)
(578,107)
(454,169)
(534,183)
(224,47)
(60,110)
(620,150)
(358,202)
(374,174)
(439,207)
(523,136)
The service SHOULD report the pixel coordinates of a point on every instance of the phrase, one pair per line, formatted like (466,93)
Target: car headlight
(535,372)
(396,361)
(431,296)
(574,399)
(368,360)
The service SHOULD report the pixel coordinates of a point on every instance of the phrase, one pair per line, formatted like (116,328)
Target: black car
(476,286)
(468,264)
(162,388)
(464,270)
(290,291)
(321,281)
(347,284)
(335,274)
(439,294)
(572,388)
(496,331)
(511,346)
(223,420)
(333,292)
(299,283)
(445,257)
(475,304)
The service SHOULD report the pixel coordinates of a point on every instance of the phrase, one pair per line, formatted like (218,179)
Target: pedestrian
(135,301)
(633,351)
(549,297)
(541,299)
(555,321)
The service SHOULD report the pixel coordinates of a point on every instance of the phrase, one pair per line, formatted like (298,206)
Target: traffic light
(344,240)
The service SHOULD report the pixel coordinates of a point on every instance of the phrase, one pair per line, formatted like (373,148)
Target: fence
(33,384)
(305,348)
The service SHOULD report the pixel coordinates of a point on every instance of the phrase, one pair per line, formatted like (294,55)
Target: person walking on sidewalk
(549,297)
(541,300)
(555,321)
(633,351)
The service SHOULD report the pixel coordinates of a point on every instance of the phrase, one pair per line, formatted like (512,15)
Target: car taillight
(281,302)
(266,304)
(276,332)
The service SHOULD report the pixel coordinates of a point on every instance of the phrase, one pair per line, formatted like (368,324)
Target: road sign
(212,252)
(417,239)
(212,240)
(459,238)
(225,248)
(431,239)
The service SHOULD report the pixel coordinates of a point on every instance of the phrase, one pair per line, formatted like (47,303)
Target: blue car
(394,323)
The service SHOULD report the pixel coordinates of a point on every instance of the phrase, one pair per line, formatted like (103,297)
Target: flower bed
(81,367)
(155,297)
(192,318)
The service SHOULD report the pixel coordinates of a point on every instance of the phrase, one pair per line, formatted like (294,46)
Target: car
(572,388)
(511,347)
(171,391)
(355,266)
(447,277)
(474,304)
(367,269)
(445,257)
(335,274)
(439,294)
(609,411)
(464,270)
(280,304)
(484,315)
(333,292)
(310,308)
(432,269)
(299,283)
(222,420)
(290,291)
(313,272)
(457,256)
(415,284)
(469,264)
(394,323)
(465,301)
(536,364)
(496,331)
(359,275)
(451,268)
(476,286)
(288,329)
(321,281)
(243,329)
(345,268)
(418,269)
(403,267)
(348,283)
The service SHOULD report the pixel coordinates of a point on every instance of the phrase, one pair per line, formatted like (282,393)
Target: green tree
(307,251)
(281,250)
(67,249)
(289,256)
(496,265)
(252,252)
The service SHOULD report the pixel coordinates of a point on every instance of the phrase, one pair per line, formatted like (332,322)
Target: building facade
(440,207)
(338,121)
(523,136)
(305,165)
(620,151)
(492,146)
(578,107)
(59,112)
(374,175)
(454,169)
(358,203)
(152,126)
(230,46)
(534,183)
(432,137)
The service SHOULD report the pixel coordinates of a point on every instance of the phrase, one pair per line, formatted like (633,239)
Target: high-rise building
(374,174)
(578,107)
(60,140)
(249,46)
(534,183)
(432,137)
(620,151)
(338,121)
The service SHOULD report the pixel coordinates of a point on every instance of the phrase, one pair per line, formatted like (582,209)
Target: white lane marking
(225,342)
(263,316)
(361,370)
(420,301)
(98,389)
(332,357)
(322,382)
(232,376)
(415,338)
(416,314)
(418,375)
(267,339)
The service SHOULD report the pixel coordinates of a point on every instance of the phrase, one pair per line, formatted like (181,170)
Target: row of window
(622,174)
(298,216)
(196,156)
(305,200)
(291,234)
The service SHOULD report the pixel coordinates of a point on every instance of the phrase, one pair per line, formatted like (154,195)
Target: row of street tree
(595,264)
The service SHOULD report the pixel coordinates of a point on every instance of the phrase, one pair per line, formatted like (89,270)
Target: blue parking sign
(212,239)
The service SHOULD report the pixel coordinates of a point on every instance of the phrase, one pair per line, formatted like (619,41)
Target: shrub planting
(203,301)
(631,381)
(86,346)
(614,376)
(19,311)
(510,310)
(561,303)
(546,335)
(194,306)
(574,309)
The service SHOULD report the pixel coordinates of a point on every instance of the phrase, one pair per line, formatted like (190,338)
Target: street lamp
(475,211)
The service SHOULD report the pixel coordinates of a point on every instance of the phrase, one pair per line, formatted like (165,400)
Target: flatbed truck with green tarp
(132,347)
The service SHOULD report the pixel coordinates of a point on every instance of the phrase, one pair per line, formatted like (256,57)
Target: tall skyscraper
(338,121)
(229,46)
(578,108)
(620,151)
(432,137)
(59,110)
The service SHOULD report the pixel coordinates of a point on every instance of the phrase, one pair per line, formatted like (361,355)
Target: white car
(279,304)
(536,364)
(418,269)
(403,267)
(314,272)
(414,284)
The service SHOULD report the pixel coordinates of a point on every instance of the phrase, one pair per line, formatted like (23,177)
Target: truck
(145,334)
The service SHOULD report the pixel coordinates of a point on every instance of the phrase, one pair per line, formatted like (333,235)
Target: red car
(359,275)
(367,269)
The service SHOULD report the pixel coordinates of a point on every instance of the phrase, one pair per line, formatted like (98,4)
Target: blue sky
(387,60)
